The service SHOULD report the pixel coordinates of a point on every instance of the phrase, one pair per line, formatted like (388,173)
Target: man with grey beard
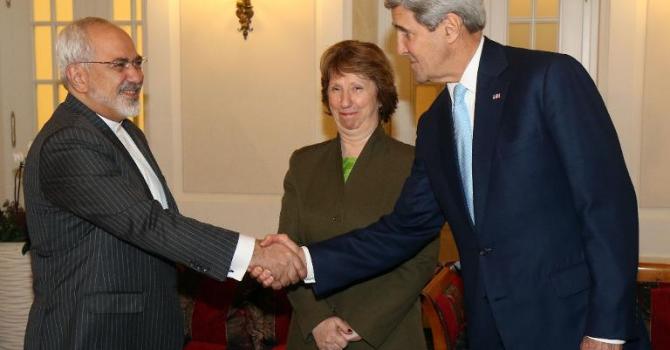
(104,227)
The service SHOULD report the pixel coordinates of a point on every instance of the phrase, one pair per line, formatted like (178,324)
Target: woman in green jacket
(346,183)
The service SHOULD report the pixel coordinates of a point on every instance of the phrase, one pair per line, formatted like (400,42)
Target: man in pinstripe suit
(105,229)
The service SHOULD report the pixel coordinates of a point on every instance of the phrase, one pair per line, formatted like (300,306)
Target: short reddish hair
(363,59)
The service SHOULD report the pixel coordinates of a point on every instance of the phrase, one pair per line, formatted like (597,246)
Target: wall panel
(655,165)
(245,104)
(224,114)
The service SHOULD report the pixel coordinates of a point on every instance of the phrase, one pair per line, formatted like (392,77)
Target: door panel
(16,86)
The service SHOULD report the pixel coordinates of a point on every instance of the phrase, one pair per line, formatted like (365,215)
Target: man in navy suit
(527,170)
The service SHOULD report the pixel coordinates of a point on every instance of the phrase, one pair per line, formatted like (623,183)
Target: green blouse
(347,166)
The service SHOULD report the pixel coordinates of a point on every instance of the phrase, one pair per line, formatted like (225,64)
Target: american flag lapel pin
(496,96)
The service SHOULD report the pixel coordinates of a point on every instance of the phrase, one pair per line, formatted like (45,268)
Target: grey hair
(430,13)
(73,45)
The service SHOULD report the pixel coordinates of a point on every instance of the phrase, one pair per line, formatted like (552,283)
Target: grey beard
(125,108)
(130,109)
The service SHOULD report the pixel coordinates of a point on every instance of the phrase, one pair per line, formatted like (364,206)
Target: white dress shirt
(469,80)
(245,245)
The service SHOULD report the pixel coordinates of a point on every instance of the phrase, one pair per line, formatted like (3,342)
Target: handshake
(277,262)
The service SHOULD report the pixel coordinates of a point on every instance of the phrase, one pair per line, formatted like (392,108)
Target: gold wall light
(244,12)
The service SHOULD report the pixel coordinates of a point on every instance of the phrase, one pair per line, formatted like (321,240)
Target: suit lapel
(333,160)
(79,108)
(330,186)
(142,145)
(491,94)
(370,150)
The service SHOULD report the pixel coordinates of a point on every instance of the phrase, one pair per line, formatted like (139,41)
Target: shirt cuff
(609,341)
(310,268)
(242,257)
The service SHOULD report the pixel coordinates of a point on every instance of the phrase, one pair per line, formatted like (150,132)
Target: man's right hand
(277,265)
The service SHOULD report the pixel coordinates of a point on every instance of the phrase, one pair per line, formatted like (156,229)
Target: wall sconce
(244,12)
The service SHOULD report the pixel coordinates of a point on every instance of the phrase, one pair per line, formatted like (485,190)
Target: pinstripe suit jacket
(103,250)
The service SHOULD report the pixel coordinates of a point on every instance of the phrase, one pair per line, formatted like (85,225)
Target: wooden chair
(653,272)
(442,307)
(654,277)
(443,295)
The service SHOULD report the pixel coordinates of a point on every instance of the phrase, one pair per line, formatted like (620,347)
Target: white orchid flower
(18,157)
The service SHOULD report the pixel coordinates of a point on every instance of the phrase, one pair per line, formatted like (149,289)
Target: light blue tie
(463,134)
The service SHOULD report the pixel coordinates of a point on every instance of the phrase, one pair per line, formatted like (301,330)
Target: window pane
(547,8)
(139,120)
(546,36)
(64,10)
(43,68)
(138,40)
(127,30)
(519,8)
(62,93)
(519,35)
(42,10)
(121,10)
(138,10)
(45,106)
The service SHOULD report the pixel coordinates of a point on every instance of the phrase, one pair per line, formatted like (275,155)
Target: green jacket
(317,205)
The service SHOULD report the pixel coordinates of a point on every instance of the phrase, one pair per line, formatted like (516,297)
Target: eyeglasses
(122,64)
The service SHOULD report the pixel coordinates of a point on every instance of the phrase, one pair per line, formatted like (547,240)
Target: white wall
(654,191)
(224,114)
(249,116)
(633,80)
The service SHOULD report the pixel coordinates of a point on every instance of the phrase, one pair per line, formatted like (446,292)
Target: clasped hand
(277,262)
(334,333)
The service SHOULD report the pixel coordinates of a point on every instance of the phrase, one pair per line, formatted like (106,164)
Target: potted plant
(16,292)
(13,224)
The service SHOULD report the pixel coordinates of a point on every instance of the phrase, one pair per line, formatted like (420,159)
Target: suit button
(334,219)
(195,266)
(485,251)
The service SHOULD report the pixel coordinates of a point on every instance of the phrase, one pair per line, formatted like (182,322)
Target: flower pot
(16,295)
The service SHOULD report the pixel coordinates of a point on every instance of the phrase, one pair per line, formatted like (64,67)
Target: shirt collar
(114,125)
(469,77)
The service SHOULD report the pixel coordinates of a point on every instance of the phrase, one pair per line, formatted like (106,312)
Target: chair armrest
(653,272)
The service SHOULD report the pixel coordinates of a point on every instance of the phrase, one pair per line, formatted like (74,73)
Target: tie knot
(459,93)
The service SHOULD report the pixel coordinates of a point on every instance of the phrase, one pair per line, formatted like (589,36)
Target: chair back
(442,307)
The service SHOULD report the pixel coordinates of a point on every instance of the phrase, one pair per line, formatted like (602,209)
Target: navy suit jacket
(554,251)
